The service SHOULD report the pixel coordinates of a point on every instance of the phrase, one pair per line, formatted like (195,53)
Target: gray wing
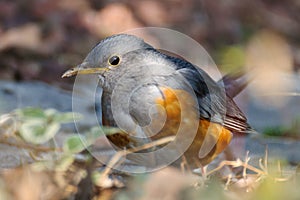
(214,103)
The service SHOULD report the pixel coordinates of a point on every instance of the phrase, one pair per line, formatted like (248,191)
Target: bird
(150,95)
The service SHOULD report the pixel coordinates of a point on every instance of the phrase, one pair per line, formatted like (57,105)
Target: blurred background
(40,39)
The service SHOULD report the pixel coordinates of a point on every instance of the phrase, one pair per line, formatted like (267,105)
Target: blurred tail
(235,83)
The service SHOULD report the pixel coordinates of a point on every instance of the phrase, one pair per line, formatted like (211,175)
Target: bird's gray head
(107,54)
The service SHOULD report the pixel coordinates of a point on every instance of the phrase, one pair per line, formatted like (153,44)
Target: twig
(184,165)
(266,159)
(237,163)
(279,167)
(29,146)
(228,181)
(125,152)
(247,159)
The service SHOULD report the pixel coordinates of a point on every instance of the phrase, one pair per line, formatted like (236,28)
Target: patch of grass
(292,130)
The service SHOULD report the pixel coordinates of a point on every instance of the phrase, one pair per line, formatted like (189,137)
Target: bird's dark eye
(114,60)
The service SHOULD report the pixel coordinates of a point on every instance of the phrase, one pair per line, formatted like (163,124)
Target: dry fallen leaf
(112,19)
(27,36)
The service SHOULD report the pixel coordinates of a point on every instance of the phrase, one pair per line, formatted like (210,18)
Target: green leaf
(75,144)
(97,131)
(31,113)
(38,132)
(275,131)
(50,113)
(67,117)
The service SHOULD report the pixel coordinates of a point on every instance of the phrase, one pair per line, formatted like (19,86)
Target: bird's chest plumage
(152,102)
(167,112)
(129,94)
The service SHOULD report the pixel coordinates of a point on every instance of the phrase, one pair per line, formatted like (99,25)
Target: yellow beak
(82,69)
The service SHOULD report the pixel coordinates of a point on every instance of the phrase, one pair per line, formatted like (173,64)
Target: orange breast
(211,138)
(181,117)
